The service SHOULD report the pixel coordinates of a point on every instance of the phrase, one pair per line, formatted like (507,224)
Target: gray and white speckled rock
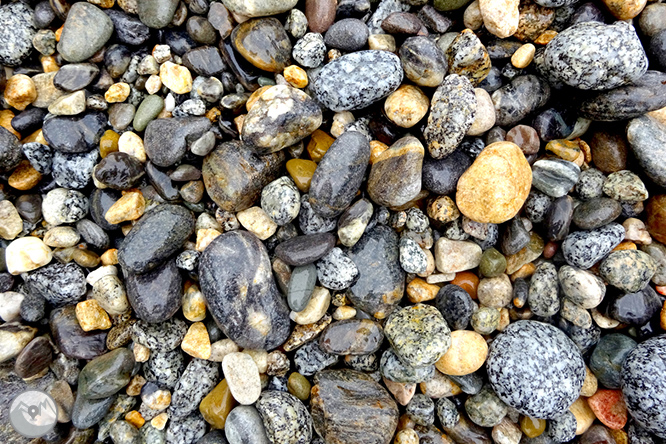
(543,293)
(485,408)
(281,200)
(628,270)
(583,249)
(590,184)
(535,368)
(357,80)
(244,426)
(555,177)
(62,206)
(310,50)
(164,368)
(575,55)
(311,358)
(285,418)
(447,413)
(644,384)
(418,334)
(198,379)
(162,337)
(412,258)
(563,428)
(581,287)
(336,270)
(73,171)
(187,430)
(393,369)
(17,28)
(452,112)
(310,222)
(647,139)
(40,156)
(60,284)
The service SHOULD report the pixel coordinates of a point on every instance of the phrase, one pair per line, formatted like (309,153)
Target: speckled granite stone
(162,337)
(536,369)
(199,378)
(647,138)
(628,270)
(583,249)
(60,284)
(393,369)
(644,384)
(187,430)
(285,418)
(575,55)
(384,9)
(452,112)
(336,271)
(164,368)
(17,28)
(237,281)
(543,296)
(358,79)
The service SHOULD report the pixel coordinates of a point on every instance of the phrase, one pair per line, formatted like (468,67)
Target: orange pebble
(626,245)
(609,407)
(468,281)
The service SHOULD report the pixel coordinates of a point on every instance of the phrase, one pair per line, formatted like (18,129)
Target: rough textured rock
(647,138)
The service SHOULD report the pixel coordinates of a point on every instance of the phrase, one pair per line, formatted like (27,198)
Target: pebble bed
(335,221)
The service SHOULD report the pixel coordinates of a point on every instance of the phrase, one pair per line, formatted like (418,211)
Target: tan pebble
(430,263)
(662,317)
(636,231)
(472,17)
(256,221)
(505,319)
(221,348)
(625,9)
(49,64)
(501,17)
(118,92)
(46,90)
(260,358)
(419,290)
(196,342)
(176,77)
(110,257)
(467,354)
(61,237)
(603,321)
(204,237)
(523,56)
(403,392)
(584,415)
(344,312)
(506,432)
(485,113)
(238,121)
(20,91)
(296,76)
(85,257)
(213,114)
(6,117)
(659,115)
(523,272)
(340,120)
(376,148)
(37,136)
(406,436)
(135,385)
(91,316)
(590,384)
(255,96)
(242,376)
(130,206)
(443,209)
(194,304)
(316,308)
(141,352)
(153,84)
(382,42)
(69,105)
(132,144)
(104,4)
(27,254)
(160,421)
(440,386)
(11,223)
(407,105)
(440,278)
(546,37)
(135,419)
(24,177)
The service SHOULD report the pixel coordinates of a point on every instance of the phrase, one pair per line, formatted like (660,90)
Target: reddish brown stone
(609,407)
(656,217)
(525,137)
(320,14)
(609,151)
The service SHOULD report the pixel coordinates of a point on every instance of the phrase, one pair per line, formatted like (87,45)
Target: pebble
(394,370)
(423,61)
(176,77)
(543,297)
(485,408)
(500,17)
(106,374)
(353,222)
(244,425)
(628,270)
(20,91)
(596,213)
(351,337)
(453,256)
(441,176)
(301,286)
(310,50)
(336,270)
(581,287)
(156,13)
(467,354)
(412,258)
(495,292)
(641,134)
(257,222)
(347,35)
(304,250)
(242,377)
(515,101)
(78,40)
(555,177)
(583,249)
(17,29)
(338,91)
(406,106)
(468,57)
(285,418)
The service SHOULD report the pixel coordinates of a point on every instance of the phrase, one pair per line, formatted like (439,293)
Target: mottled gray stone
(106,375)
(352,337)
(73,171)
(518,99)
(156,13)
(336,270)
(198,379)
(562,428)
(393,369)
(281,200)
(583,249)
(166,140)
(245,426)
(485,408)
(581,287)
(60,284)
(311,358)
(555,177)
(421,409)
(310,222)
(162,337)
(412,258)
(310,50)
(17,28)
(536,369)
(384,9)
(628,270)
(286,420)
(543,293)
(187,430)
(86,30)
(164,368)
(647,139)
(304,250)
(301,286)
(357,80)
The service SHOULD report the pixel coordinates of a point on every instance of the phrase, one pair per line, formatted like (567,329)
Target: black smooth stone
(338,176)
(30,120)
(236,263)
(166,140)
(441,176)
(100,202)
(204,60)
(155,237)
(347,35)
(456,305)
(29,207)
(596,212)
(88,412)
(75,76)
(304,250)
(179,41)
(155,295)
(515,237)
(587,12)
(105,375)
(558,218)
(72,341)
(517,100)
(75,134)
(201,30)
(119,171)
(35,357)
(10,150)
(129,30)
(634,308)
(554,124)
(162,182)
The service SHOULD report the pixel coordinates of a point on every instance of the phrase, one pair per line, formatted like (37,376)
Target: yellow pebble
(135,419)
(20,91)
(159,422)
(204,237)
(129,207)
(24,177)
(564,149)
(523,56)
(130,143)
(153,84)
(532,427)
(110,257)
(213,114)
(49,64)
(376,148)
(419,290)
(344,312)
(37,136)
(108,143)
(301,171)
(319,143)
(6,117)
(546,37)
(176,77)
(91,316)
(584,415)
(118,92)
(382,42)
(196,342)
(296,76)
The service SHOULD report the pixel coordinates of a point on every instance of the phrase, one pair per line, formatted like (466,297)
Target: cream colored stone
(256,221)
(27,254)
(20,91)
(316,308)
(501,17)
(61,237)
(467,354)
(242,376)
(472,17)
(118,92)
(382,42)
(344,312)
(141,352)
(160,421)
(590,384)
(11,223)
(176,77)
(454,256)
(603,321)
(69,105)
(91,316)
(204,237)
(194,304)
(523,56)
(153,84)
(506,432)
(342,119)
(196,342)
(99,273)
(47,93)
(485,113)
(260,358)
(110,292)
(407,105)
(222,348)
(440,386)
(584,415)
(132,144)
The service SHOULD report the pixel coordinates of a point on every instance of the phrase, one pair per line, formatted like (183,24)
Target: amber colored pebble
(609,407)
(546,37)
(532,427)
(376,148)
(24,177)
(301,171)
(110,257)
(215,407)
(564,149)
(296,76)
(419,290)
(524,272)
(663,309)
(49,64)
(299,386)
(620,436)
(406,422)
(609,149)
(255,96)
(584,415)
(550,249)
(320,14)
(135,419)
(6,117)
(213,114)
(319,143)
(238,121)
(85,258)
(468,281)
(58,32)
(585,148)
(108,143)
(626,245)
(656,217)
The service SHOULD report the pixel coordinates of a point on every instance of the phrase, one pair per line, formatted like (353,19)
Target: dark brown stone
(72,341)
(609,150)
(35,357)
(320,14)
(404,23)
(525,137)
(656,217)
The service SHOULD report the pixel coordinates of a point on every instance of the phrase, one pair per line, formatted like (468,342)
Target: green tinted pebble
(493,263)
(265,81)
(449,5)
(485,320)
(299,386)
(148,110)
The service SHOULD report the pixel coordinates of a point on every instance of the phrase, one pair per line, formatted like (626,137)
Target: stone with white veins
(281,200)
(555,177)
(412,257)
(336,270)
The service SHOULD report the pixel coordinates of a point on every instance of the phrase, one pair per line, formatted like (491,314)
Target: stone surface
(264,43)
(80,41)
(156,13)
(242,376)
(628,270)
(642,133)
(155,295)
(17,29)
(583,249)
(106,374)
(518,99)
(454,256)
(285,418)
(467,354)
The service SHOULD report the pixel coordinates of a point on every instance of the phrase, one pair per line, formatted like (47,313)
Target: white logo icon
(33,414)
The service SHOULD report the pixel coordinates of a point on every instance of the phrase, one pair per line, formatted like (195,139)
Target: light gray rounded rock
(17,28)
(281,200)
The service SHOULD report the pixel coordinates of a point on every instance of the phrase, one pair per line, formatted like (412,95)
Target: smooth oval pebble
(242,376)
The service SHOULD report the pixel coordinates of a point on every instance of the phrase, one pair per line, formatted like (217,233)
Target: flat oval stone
(156,294)
(76,134)
(245,426)
(259,8)
(242,375)
(156,236)
(301,286)
(583,249)
(339,174)
(35,357)
(75,76)
(285,418)
(596,213)
(524,361)
(107,374)
(234,175)
(357,80)
(518,99)
(303,250)
(72,341)
(85,32)
(349,406)
(418,334)
(352,337)
(581,287)
(237,261)
(157,13)
(264,43)
(381,280)
(555,177)
(647,138)
(59,284)
(423,61)
(348,34)
(497,184)
(395,175)
(616,48)
(644,384)
(88,412)
(166,140)
(281,117)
